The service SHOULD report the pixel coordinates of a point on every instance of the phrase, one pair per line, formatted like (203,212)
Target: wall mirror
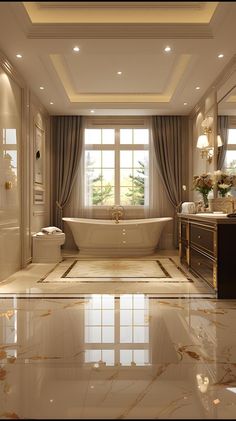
(226,118)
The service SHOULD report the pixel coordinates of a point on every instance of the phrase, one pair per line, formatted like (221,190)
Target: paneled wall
(20,214)
(10,174)
(199,165)
(208,106)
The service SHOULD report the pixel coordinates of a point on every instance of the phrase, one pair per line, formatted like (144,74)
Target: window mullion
(117,166)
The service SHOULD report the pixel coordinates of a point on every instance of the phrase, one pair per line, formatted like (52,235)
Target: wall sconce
(206,150)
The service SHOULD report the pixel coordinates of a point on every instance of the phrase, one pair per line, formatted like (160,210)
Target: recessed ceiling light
(91,111)
(167,49)
(76,48)
(220,55)
(41,87)
(51,103)
(185,103)
(119,72)
(18,55)
(197,87)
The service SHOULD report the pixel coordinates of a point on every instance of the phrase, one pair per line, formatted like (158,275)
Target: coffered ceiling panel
(126,37)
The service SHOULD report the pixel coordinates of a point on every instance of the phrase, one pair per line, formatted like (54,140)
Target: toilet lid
(50,237)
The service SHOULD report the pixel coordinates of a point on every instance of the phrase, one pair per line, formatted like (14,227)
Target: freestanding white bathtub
(126,238)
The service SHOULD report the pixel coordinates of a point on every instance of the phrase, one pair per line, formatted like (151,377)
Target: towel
(51,230)
(188,207)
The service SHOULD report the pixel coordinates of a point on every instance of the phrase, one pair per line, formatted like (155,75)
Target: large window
(116,166)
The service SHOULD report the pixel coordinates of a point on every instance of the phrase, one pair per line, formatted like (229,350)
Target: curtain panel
(66,155)
(170,145)
(222,130)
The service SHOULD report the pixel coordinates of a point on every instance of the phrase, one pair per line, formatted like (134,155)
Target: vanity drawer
(202,237)
(202,265)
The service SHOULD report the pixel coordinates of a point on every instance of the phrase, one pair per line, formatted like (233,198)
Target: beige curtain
(222,130)
(66,154)
(170,145)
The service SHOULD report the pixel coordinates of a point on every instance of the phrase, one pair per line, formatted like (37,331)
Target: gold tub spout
(117,213)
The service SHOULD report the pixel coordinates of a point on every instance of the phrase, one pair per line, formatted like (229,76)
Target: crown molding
(11,71)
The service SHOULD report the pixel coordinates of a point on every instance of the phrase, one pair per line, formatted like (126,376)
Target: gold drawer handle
(199,263)
(198,236)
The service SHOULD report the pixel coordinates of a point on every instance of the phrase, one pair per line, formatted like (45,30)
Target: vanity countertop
(219,218)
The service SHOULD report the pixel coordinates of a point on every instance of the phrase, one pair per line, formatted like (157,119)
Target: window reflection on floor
(117,330)
(9,333)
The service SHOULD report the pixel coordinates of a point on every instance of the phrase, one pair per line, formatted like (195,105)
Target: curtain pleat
(222,129)
(67,151)
(170,148)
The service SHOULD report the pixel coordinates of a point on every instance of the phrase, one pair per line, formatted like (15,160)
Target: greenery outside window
(116,166)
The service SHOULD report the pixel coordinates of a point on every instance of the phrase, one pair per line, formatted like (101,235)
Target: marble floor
(130,355)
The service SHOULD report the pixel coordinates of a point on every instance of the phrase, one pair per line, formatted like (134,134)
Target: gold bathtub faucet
(117,213)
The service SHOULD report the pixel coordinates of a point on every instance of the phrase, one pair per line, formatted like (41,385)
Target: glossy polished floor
(115,356)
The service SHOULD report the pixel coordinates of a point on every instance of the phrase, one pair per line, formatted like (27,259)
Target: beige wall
(20,216)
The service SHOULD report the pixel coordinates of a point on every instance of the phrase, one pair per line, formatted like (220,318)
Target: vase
(205,200)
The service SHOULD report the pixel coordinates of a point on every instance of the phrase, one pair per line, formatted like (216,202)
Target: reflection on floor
(114,356)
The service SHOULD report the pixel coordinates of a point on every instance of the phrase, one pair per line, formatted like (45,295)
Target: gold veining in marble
(142,395)
(3,355)
(178,369)
(10,415)
(183,350)
(3,373)
(48,313)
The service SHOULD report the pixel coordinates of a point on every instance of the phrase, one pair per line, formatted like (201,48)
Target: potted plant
(204,184)
(223,182)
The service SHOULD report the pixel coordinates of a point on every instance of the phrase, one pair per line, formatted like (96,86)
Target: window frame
(117,147)
(230,147)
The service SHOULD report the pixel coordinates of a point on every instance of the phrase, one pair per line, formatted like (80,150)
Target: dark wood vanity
(207,247)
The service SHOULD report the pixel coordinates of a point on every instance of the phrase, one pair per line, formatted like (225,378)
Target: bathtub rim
(121,221)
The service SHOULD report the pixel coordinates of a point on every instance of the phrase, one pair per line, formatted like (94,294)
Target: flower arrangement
(204,184)
(224,182)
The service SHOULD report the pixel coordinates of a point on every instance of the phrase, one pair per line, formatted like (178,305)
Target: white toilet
(47,247)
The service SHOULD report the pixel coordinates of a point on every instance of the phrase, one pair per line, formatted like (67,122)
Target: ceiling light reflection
(203,382)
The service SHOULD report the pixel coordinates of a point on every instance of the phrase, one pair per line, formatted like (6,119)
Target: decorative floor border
(168,276)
